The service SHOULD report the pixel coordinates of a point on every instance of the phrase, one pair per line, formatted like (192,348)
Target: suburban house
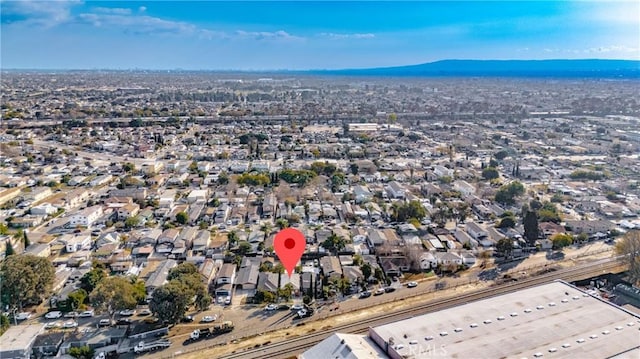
(475,231)
(395,190)
(87,216)
(159,276)
(227,274)
(331,266)
(75,242)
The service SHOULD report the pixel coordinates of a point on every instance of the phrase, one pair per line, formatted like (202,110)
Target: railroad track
(292,346)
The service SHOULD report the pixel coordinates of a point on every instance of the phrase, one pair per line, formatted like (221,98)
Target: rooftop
(555,319)
(19,337)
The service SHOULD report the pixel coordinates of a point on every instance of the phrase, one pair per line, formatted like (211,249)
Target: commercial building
(17,341)
(551,320)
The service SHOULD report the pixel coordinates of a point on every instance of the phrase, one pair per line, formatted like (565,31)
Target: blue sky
(264,35)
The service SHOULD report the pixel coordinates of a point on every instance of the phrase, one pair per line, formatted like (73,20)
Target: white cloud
(266,35)
(137,24)
(333,35)
(41,13)
(112,10)
(52,13)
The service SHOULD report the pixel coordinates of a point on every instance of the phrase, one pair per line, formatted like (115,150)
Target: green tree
(25,239)
(9,251)
(501,155)
(128,167)
(282,223)
(334,243)
(4,230)
(263,296)
(353,168)
(25,279)
(561,240)
(4,323)
(76,299)
(132,222)
(508,192)
(83,352)
(401,212)
(182,218)
(170,301)
(113,294)
(366,271)
(507,222)
(286,292)
(92,278)
(504,246)
(232,237)
(531,229)
(548,213)
(490,173)
(244,248)
(223,179)
(181,270)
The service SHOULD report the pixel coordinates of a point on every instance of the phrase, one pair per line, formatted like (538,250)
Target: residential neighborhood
(385,196)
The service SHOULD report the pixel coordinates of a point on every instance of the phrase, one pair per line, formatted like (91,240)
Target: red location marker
(289,244)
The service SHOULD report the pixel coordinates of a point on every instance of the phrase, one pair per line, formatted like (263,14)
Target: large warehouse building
(554,320)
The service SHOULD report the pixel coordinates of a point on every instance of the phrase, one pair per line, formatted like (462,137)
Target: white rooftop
(344,346)
(555,320)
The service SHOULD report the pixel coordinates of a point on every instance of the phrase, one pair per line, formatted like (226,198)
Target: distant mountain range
(503,68)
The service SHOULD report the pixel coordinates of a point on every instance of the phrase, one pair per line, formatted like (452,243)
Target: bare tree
(413,254)
(629,248)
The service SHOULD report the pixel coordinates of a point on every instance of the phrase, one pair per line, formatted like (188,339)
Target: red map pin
(289,245)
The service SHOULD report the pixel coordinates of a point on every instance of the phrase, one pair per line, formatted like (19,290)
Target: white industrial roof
(555,320)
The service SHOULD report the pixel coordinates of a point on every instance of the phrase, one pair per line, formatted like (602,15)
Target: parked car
(365,294)
(389,289)
(144,312)
(270,307)
(53,315)
(304,313)
(71,315)
(379,291)
(52,325)
(209,318)
(127,312)
(23,316)
(297,307)
(187,319)
(412,284)
(70,324)
(104,322)
(86,314)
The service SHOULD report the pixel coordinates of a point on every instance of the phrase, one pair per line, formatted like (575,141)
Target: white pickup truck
(143,347)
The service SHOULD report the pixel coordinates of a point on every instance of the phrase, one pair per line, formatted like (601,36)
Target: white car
(209,318)
(86,314)
(297,307)
(23,316)
(127,312)
(412,284)
(70,324)
(271,307)
(53,315)
(52,325)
